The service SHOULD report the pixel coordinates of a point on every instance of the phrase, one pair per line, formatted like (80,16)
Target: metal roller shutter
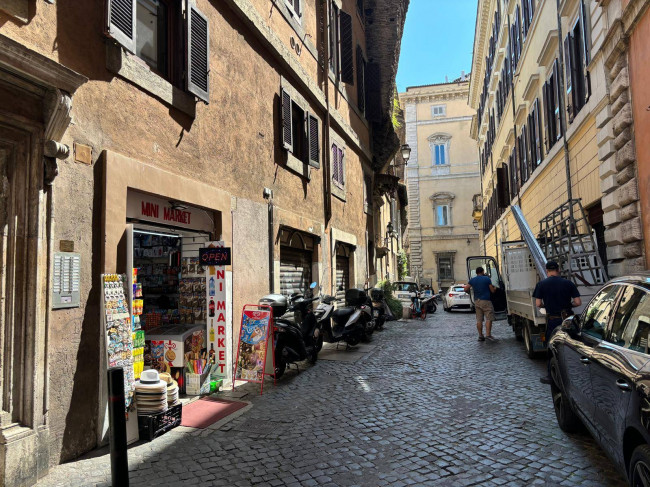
(342,277)
(295,270)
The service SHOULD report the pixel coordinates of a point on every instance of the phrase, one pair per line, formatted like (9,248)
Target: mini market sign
(144,207)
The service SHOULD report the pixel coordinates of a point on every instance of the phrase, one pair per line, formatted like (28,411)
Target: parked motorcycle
(417,308)
(297,332)
(429,302)
(380,310)
(349,323)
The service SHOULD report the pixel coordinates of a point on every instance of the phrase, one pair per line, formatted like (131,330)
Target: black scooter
(379,308)
(349,323)
(297,333)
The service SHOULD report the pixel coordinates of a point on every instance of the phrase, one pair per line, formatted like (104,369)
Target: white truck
(522,269)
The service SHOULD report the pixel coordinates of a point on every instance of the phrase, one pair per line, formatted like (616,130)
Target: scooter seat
(341,315)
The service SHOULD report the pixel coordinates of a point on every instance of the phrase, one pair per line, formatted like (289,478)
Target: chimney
(462,76)
(446,79)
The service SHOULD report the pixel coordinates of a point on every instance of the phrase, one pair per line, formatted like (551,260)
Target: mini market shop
(155,222)
(179,304)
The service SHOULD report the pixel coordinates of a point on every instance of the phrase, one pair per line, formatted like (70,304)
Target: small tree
(402,264)
(394,304)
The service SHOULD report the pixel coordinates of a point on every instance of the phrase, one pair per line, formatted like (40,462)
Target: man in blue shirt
(483,287)
(557,295)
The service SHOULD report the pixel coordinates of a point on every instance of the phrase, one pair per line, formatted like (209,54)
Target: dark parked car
(600,370)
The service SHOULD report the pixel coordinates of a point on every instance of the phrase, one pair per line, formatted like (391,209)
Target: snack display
(192,300)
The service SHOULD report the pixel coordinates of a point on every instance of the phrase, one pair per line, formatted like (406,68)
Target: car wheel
(528,342)
(567,420)
(640,466)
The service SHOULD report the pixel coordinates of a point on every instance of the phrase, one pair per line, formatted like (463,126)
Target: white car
(456,298)
(404,291)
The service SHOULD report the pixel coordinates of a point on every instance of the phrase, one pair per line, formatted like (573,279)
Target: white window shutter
(120,15)
(198,54)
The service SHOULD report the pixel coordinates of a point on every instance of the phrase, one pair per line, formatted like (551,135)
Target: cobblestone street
(427,405)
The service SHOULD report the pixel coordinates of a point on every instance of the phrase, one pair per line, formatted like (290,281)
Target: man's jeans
(551,326)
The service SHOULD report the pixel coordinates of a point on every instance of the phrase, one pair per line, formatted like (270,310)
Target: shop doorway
(343,253)
(296,260)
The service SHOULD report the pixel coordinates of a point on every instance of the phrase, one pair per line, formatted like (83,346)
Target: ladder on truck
(565,236)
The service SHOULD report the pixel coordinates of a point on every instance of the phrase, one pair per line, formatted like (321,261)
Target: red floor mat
(205,411)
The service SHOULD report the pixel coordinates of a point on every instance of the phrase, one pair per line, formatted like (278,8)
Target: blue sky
(437,42)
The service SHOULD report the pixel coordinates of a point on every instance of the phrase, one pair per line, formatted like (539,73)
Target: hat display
(151,393)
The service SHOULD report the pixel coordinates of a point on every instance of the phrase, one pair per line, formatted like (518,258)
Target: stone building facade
(549,126)
(263,122)
(621,40)
(441,176)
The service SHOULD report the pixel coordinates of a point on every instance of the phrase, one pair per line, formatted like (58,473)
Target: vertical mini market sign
(215,288)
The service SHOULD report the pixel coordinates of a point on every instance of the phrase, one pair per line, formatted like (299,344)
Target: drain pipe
(327,188)
(267,193)
(563,121)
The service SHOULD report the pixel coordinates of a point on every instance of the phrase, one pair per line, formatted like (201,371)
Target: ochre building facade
(551,126)
(258,123)
(441,177)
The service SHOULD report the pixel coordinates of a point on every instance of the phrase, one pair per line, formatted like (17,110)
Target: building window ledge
(131,68)
(297,166)
(18,9)
(338,191)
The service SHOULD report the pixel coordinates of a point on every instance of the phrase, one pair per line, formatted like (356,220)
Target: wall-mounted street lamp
(475,224)
(390,235)
(406,153)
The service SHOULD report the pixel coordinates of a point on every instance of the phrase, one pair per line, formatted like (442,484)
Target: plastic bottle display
(211,331)
(211,308)
(211,286)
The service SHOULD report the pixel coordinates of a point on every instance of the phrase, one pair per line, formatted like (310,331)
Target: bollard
(117,432)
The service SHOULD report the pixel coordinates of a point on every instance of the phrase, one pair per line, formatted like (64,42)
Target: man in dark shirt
(483,287)
(557,295)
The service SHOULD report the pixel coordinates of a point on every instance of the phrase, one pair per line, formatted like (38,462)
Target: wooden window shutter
(361,81)
(568,72)
(342,164)
(335,163)
(540,134)
(287,135)
(502,187)
(121,22)
(584,48)
(314,142)
(347,50)
(198,54)
(556,100)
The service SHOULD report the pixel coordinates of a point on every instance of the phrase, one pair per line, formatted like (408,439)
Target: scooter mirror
(313,285)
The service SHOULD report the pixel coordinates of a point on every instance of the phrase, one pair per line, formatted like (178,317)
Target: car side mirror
(572,326)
